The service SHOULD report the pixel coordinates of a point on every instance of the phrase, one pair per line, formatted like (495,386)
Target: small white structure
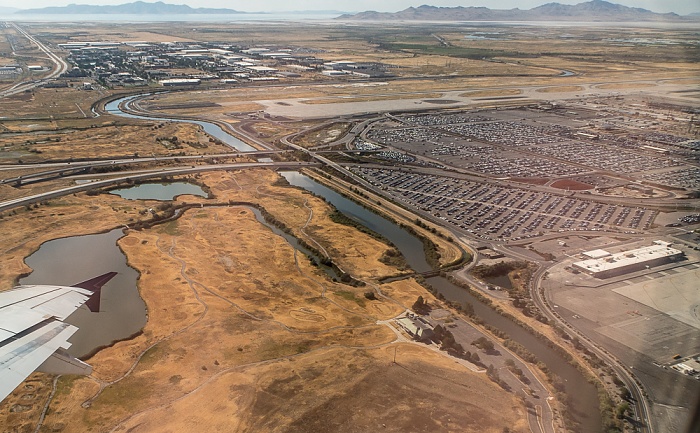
(180,82)
(415,327)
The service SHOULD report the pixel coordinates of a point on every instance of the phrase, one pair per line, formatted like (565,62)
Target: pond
(71,260)
(159,191)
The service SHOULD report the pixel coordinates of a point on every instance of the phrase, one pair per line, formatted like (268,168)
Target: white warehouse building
(606,265)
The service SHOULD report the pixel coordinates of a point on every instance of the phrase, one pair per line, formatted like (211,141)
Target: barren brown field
(570,184)
(324,135)
(492,92)
(560,89)
(232,307)
(112,140)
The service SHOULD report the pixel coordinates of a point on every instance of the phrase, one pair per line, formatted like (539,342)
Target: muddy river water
(583,397)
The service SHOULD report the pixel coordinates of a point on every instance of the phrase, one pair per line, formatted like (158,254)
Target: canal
(582,395)
(114,107)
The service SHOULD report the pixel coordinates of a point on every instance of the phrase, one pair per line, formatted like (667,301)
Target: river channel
(583,396)
(212,129)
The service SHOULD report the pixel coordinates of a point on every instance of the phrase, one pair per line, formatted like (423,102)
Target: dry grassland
(491,93)
(270,132)
(625,85)
(55,104)
(560,89)
(340,390)
(112,140)
(244,334)
(322,136)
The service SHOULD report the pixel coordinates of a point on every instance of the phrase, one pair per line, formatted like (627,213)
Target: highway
(60,66)
(22,201)
(639,403)
(60,169)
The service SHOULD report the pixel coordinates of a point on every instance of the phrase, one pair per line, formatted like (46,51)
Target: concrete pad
(658,337)
(677,295)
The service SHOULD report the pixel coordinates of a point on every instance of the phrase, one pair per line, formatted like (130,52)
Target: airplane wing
(33,335)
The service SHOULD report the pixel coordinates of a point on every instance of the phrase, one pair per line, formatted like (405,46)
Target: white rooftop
(626,258)
(596,254)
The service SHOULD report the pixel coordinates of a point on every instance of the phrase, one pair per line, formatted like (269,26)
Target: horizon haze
(681,7)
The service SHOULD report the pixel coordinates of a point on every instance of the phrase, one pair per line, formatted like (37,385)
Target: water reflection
(71,260)
(159,191)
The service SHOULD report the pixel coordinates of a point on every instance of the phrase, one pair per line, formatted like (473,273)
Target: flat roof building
(612,265)
(180,82)
(596,254)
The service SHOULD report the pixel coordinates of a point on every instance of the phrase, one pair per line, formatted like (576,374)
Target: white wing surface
(33,335)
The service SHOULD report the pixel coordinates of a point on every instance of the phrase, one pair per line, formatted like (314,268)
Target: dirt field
(569,184)
(324,135)
(560,89)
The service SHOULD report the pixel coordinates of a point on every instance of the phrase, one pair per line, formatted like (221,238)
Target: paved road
(60,66)
(541,419)
(641,408)
(65,168)
(22,201)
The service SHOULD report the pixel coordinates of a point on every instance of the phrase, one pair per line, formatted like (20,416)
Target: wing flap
(31,295)
(19,358)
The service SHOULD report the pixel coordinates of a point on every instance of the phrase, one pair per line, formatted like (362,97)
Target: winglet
(95,286)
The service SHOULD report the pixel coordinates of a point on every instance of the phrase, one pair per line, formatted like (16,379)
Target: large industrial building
(602,264)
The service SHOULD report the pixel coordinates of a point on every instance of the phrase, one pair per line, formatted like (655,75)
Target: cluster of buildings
(16,69)
(190,64)
(603,264)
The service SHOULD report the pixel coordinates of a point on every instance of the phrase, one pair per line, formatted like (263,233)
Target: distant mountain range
(135,8)
(595,10)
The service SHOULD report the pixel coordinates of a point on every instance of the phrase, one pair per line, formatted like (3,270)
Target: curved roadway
(61,66)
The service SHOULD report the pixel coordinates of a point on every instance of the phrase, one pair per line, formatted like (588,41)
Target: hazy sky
(679,6)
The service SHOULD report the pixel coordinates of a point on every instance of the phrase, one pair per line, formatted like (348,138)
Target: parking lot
(532,143)
(494,212)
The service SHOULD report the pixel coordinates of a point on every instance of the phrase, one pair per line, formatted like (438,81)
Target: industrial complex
(603,264)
